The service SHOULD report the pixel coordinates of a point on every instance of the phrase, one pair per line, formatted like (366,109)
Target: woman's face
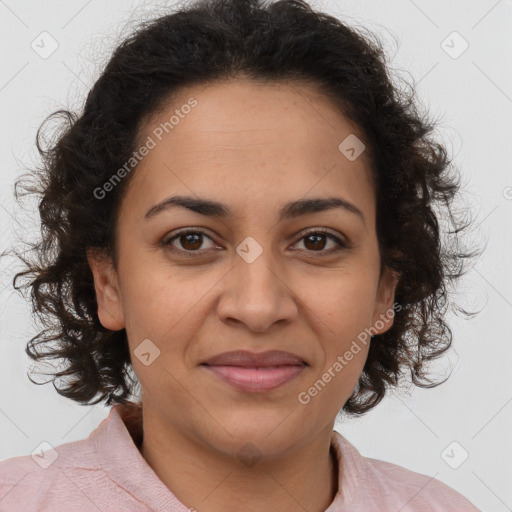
(251,280)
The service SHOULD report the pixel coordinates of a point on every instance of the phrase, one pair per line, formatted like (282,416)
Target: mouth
(253,372)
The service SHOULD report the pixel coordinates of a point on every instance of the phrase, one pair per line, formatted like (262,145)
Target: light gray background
(472,94)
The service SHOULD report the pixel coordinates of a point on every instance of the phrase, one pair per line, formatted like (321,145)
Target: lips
(248,359)
(253,372)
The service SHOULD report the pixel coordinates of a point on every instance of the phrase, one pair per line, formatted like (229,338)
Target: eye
(313,240)
(192,240)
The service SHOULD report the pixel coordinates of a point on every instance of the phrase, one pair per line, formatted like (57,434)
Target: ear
(384,312)
(108,297)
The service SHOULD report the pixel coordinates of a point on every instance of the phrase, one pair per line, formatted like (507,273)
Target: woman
(243,217)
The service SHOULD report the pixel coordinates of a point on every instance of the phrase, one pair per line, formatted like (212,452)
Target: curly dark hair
(212,40)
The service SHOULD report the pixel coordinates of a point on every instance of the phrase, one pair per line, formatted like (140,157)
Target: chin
(270,431)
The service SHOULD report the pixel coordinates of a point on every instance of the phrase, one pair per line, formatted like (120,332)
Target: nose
(258,294)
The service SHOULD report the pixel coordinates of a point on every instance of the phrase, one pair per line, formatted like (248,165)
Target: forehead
(249,113)
(249,140)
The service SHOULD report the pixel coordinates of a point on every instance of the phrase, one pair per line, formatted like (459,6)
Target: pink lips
(248,371)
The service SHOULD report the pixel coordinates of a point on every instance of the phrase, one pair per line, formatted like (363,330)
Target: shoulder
(27,482)
(388,486)
(415,490)
(89,474)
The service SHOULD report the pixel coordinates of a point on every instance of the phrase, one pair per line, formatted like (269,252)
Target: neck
(208,480)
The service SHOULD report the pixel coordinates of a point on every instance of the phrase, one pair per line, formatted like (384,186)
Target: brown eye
(190,241)
(315,241)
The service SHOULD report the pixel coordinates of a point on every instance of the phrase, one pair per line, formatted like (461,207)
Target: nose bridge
(256,272)
(256,269)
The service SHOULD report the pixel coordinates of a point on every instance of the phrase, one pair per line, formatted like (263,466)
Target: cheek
(345,305)
(344,316)
(155,295)
(345,345)
(332,386)
(166,308)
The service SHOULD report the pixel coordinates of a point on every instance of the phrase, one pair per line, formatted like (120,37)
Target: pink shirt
(106,472)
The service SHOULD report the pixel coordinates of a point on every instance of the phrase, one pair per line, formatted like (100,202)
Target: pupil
(317,237)
(195,244)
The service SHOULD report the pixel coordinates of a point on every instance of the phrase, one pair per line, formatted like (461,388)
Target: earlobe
(110,311)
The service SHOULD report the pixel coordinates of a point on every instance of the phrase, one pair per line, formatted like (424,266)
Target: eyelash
(342,245)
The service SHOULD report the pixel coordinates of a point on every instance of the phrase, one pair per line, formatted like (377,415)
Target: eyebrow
(290,210)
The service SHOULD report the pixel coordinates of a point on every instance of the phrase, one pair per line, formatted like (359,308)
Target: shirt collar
(116,442)
(118,438)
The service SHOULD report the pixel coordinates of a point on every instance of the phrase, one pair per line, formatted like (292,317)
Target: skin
(254,147)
